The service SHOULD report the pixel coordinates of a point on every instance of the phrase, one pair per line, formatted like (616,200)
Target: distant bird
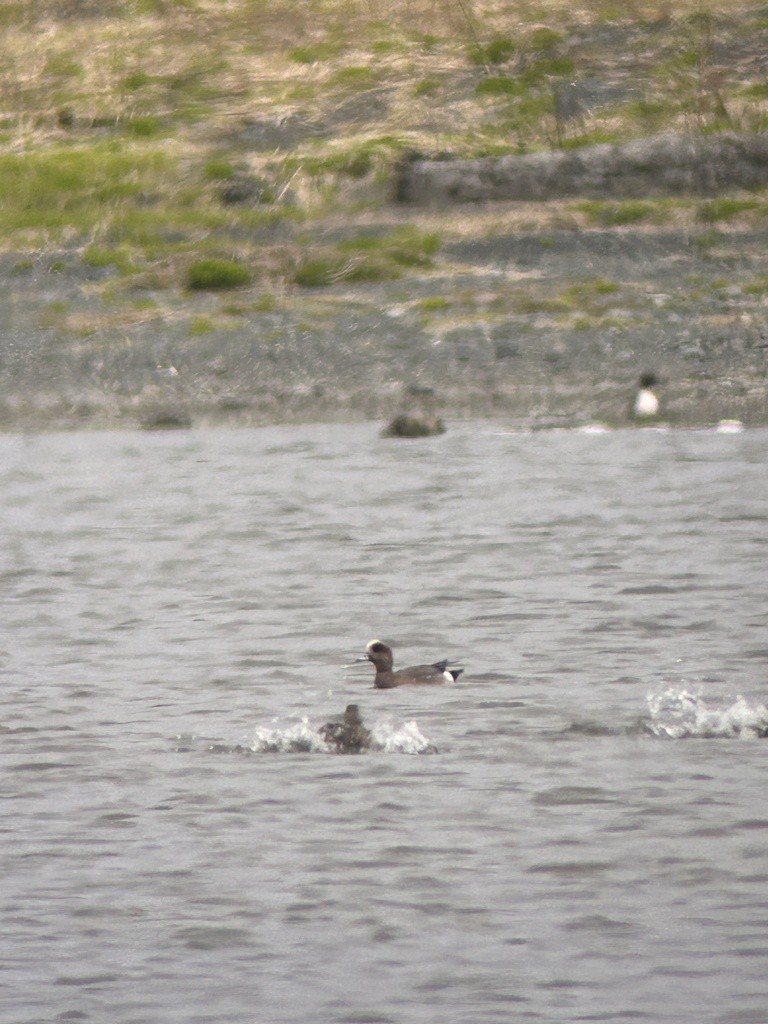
(646,404)
(417,675)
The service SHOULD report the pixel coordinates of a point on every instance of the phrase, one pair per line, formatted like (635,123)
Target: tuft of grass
(216,273)
(499,85)
(368,257)
(616,214)
(199,325)
(544,40)
(314,53)
(136,81)
(144,127)
(433,304)
(103,256)
(757,286)
(427,87)
(354,77)
(590,296)
(407,246)
(63,65)
(218,169)
(356,161)
(724,208)
(498,50)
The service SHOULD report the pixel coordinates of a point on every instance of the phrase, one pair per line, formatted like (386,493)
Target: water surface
(588,843)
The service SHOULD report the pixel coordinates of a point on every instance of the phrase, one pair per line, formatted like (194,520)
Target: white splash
(730,427)
(402,739)
(304,737)
(680,714)
(300,737)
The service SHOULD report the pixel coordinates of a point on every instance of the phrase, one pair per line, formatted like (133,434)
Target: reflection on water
(181,613)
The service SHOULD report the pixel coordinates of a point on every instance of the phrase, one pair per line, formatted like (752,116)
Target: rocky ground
(539,327)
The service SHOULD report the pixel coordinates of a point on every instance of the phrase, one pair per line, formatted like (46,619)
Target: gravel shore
(540,328)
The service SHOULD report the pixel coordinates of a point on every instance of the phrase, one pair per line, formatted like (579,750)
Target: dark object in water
(347,733)
(406,425)
(164,418)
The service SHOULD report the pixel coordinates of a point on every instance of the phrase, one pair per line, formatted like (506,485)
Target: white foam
(303,737)
(296,738)
(730,427)
(681,713)
(402,739)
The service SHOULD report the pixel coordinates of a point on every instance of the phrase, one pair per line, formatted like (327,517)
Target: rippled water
(587,843)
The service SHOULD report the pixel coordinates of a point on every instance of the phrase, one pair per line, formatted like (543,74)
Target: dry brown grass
(186,78)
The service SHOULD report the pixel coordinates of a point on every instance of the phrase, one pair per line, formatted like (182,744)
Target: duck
(646,404)
(417,675)
(347,734)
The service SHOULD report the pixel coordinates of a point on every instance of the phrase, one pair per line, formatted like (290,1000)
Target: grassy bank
(207,168)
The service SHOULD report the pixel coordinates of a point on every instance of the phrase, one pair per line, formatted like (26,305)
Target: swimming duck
(417,675)
(347,733)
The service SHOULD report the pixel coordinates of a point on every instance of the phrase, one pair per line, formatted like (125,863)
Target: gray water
(588,841)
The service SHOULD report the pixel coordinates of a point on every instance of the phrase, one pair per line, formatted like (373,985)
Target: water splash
(680,714)
(304,737)
(299,737)
(400,739)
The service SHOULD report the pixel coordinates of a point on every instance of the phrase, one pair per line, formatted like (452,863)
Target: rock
(667,164)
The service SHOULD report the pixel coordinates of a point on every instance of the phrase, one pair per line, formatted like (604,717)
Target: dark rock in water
(406,425)
(347,732)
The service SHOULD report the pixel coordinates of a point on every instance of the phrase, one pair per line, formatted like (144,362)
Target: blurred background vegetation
(263,136)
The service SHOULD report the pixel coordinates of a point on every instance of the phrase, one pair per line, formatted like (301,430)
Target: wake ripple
(681,714)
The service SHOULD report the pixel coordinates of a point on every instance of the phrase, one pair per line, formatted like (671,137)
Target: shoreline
(536,327)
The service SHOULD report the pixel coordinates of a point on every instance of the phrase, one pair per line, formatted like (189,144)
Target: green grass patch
(497,50)
(333,267)
(217,273)
(266,303)
(758,286)
(314,53)
(544,40)
(354,77)
(724,208)
(74,188)
(407,247)
(146,126)
(434,304)
(606,213)
(104,256)
(63,65)
(499,85)
(589,295)
(427,87)
(368,257)
(218,169)
(355,161)
(136,81)
(199,325)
